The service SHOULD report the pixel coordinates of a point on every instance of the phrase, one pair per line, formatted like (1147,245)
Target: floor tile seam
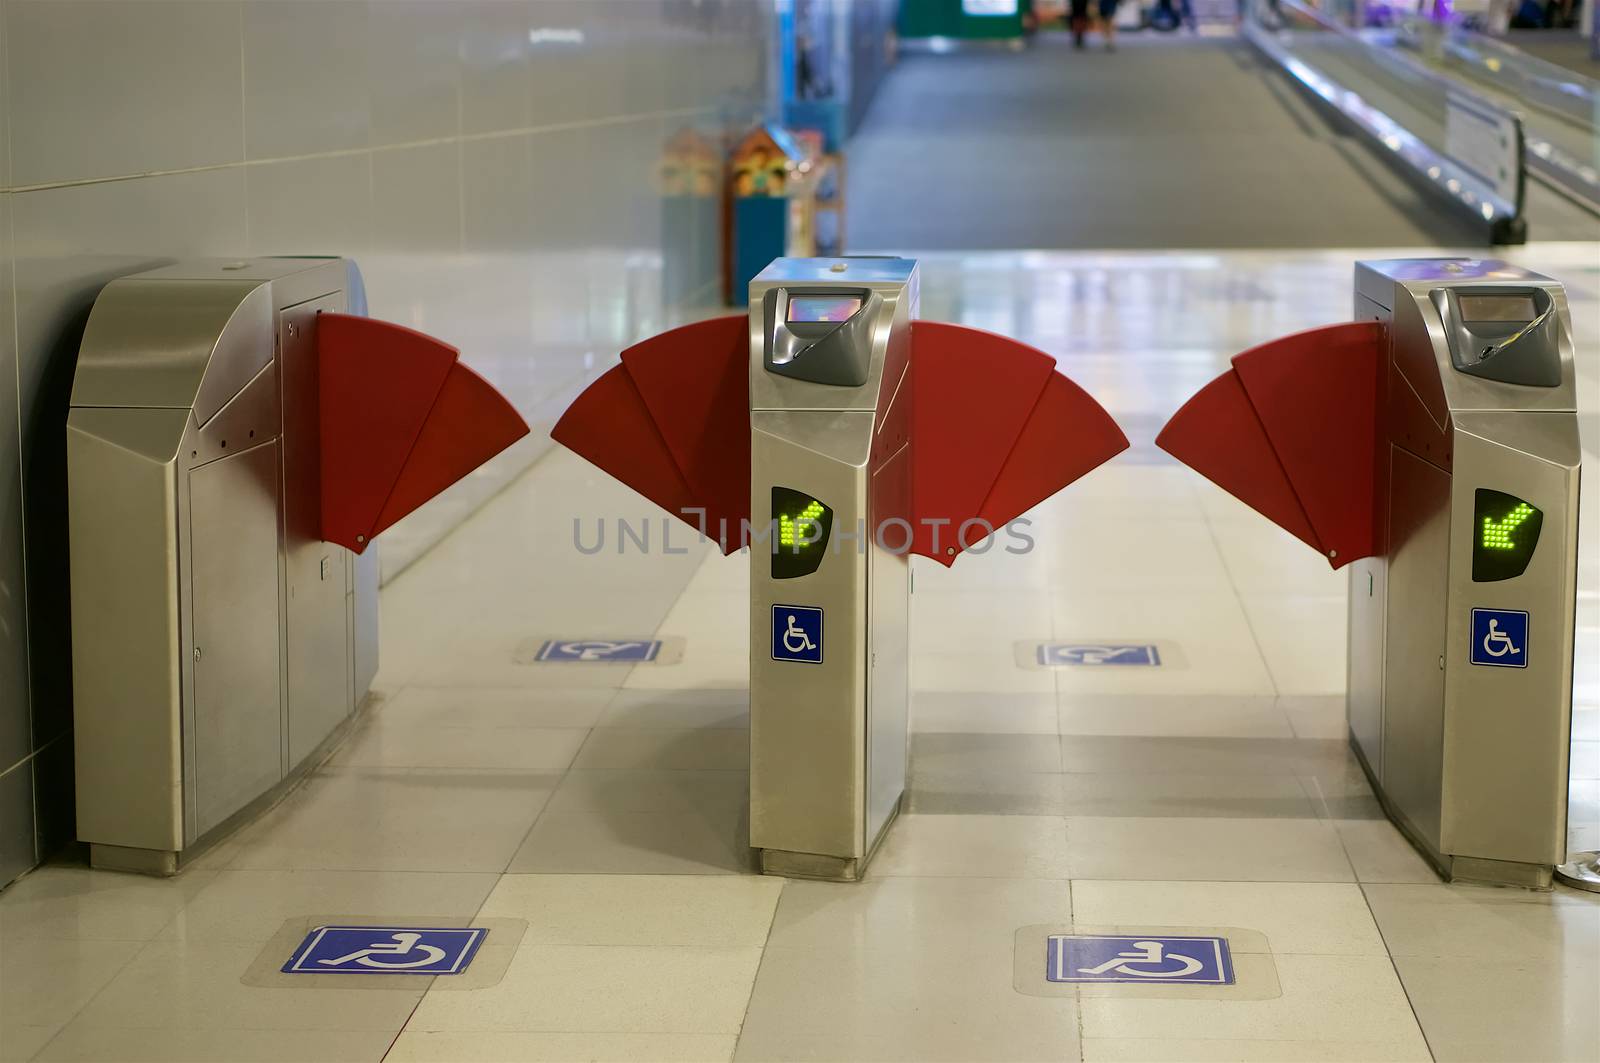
(1312,788)
(1411,1004)
(1250,626)
(755,979)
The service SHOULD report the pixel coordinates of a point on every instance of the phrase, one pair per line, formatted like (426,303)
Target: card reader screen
(1513,307)
(1506,529)
(823,307)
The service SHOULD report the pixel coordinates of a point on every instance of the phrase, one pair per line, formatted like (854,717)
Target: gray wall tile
(413,70)
(316,206)
(416,199)
(494,54)
(118,87)
(496,194)
(305,78)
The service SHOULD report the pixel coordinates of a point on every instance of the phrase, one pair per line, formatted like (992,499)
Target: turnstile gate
(833,435)
(1461,631)
(1432,445)
(830,464)
(239,432)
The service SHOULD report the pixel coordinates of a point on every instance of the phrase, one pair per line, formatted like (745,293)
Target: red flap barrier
(399,421)
(610,425)
(972,392)
(695,380)
(1293,430)
(673,423)
(1067,435)
(1218,435)
(994,430)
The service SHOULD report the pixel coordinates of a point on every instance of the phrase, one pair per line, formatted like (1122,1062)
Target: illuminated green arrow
(794,531)
(1497,533)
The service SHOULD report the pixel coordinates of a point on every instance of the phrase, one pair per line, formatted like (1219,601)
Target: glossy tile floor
(599,811)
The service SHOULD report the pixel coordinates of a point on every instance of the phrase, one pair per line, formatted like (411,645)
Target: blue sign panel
(1500,638)
(797,633)
(1059,653)
(1139,960)
(386,950)
(601,650)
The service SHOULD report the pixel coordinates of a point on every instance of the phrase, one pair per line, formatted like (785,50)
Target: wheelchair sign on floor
(386,950)
(1137,959)
(605,651)
(1055,654)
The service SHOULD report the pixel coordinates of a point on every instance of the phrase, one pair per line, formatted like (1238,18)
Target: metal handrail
(1429,164)
(1550,92)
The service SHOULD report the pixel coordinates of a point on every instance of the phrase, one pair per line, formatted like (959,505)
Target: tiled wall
(492,164)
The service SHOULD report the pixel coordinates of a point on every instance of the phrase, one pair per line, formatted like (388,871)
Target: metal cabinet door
(317,573)
(238,723)
(1414,646)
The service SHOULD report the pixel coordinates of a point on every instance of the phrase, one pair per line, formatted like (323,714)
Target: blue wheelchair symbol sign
(1052,654)
(386,950)
(599,650)
(797,633)
(1500,638)
(1138,959)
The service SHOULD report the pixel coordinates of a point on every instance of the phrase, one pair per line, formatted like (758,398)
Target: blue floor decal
(1138,959)
(386,950)
(599,650)
(1059,653)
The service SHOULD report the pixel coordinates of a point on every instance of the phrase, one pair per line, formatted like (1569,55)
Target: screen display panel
(1513,306)
(823,307)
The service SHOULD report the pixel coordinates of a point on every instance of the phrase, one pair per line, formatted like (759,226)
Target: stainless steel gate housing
(218,643)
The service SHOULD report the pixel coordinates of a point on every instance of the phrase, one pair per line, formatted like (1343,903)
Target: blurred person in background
(1078,21)
(1108,23)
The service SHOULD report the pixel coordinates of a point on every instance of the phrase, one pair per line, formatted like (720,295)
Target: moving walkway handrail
(1554,96)
(1454,180)
(1539,83)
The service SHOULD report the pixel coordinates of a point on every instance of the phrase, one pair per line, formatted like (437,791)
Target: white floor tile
(974,847)
(697,910)
(488,707)
(417,1046)
(577,988)
(983,713)
(1218,654)
(1193,849)
(382,743)
(668,709)
(47,980)
(1297,917)
(179,985)
(1226,1050)
(1303,640)
(1324,998)
(370,819)
(1213,716)
(76,903)
(250,906)
(80,1044)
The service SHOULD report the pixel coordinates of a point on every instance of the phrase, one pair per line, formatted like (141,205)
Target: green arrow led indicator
(1508,532)
(1497,533)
